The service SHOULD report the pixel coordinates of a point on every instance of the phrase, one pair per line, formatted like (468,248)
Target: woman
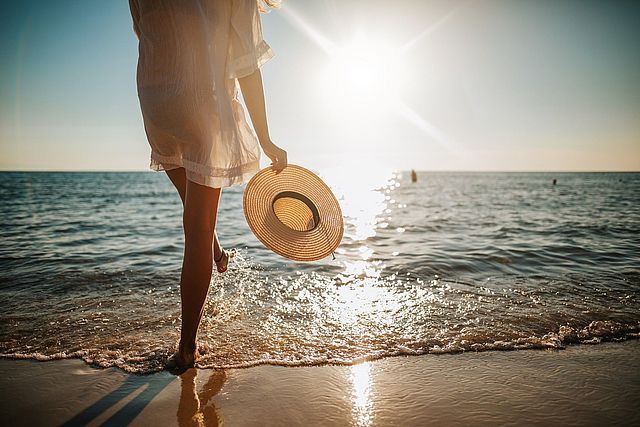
(191,54)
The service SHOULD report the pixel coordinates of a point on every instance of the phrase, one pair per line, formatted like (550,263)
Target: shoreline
(579,385)
(498,346)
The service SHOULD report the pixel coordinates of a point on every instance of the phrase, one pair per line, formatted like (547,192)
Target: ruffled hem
(205,175)
(247,64)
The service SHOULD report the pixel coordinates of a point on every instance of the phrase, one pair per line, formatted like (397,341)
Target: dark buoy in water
(414,176)
(555,181)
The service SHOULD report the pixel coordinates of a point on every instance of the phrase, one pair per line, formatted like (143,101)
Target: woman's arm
(253,94)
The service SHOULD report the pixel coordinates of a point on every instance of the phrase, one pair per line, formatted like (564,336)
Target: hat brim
(310,245)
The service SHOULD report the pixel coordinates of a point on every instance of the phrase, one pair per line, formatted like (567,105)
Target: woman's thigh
(200,208)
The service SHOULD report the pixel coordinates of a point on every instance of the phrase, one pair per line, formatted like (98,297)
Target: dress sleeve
(135,16)
(247,49)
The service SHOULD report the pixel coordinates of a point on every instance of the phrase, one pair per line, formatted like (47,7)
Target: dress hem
(204,175)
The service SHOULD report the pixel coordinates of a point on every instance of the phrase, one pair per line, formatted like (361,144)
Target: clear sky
(434,85)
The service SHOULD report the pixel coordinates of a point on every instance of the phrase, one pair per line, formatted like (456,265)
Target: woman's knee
(197,227)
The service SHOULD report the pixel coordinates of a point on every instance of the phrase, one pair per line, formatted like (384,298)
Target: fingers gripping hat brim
(293,213)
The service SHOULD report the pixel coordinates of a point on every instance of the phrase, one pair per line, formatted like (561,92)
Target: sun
(362,82)
(363,78)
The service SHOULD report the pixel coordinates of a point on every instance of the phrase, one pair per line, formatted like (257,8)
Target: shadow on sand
(151,384)
(194,408)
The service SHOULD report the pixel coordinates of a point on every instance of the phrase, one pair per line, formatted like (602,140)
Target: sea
(455,262)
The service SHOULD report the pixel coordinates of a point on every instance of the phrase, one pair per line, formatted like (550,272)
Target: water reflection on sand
(196,408)
(362,404)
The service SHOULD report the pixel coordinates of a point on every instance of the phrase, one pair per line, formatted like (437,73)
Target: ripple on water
(453,263)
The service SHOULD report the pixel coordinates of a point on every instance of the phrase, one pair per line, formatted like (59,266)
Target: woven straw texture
(293,213)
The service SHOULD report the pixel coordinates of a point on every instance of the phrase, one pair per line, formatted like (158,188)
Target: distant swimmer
(555,181)
(414,176)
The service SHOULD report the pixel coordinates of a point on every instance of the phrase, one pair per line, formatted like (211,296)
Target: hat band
(295,211)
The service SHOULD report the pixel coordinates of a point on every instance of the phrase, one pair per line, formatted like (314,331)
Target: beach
(581,385)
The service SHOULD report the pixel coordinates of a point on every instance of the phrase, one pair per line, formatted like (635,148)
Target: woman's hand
(277,155)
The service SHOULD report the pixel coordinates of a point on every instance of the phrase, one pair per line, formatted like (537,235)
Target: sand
(582,385)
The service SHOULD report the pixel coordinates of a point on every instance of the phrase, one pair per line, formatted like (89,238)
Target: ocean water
(457,262)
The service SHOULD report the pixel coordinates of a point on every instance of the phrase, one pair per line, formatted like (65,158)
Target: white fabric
(190,54)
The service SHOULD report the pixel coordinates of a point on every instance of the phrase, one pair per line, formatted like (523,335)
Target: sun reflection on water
(362,197)
(364,303)
(360,269)
(365,202)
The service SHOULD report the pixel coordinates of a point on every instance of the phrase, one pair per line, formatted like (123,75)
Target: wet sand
(582,385)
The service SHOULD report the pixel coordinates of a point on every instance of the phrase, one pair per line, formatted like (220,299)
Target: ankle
(187,348)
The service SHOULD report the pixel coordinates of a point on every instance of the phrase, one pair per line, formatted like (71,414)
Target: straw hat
(293,213)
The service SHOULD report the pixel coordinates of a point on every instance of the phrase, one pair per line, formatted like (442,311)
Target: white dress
(190,54)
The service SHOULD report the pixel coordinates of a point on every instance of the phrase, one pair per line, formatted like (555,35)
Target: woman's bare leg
(179,179)
(199,221)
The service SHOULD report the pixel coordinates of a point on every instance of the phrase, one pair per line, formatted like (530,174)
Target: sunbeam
(318,38)
(433,27)
(421,123)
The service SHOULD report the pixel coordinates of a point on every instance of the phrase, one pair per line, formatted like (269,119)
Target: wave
(595,333)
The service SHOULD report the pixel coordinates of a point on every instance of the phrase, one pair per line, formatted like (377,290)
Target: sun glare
(362,83)
(362,78)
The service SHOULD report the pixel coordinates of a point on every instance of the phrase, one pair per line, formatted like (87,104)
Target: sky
(430,85)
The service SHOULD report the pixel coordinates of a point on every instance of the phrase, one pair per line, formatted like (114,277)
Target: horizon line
(394,170)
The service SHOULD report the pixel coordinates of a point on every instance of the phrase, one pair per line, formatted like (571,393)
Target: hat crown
(295,211)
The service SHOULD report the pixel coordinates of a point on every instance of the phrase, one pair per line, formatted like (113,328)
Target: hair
(265,5)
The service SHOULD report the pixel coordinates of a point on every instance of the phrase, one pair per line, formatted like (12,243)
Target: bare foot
(222,263)
(181,360)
